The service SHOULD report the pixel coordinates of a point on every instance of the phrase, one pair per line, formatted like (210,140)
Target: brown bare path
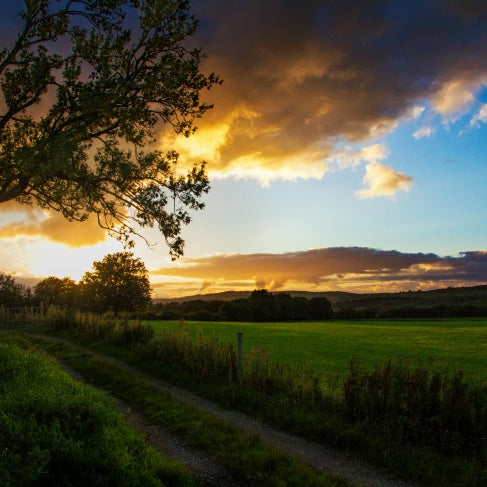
(323,459)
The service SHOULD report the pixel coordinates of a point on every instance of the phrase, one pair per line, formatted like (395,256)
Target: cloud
(454,99)
(52,226)
(424,132)
(300,78)
(383,181)
(480,116)
(352,158)
(348,268)
(415,112)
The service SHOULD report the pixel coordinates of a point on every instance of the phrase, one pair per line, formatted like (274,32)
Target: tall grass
(204,356)
(115,330)
(420,406)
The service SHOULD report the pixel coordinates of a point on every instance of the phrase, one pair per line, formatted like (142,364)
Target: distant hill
(475,295)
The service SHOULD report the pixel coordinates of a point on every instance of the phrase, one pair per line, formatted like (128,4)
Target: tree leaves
(107,72)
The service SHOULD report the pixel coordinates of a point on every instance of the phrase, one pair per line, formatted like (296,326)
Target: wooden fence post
(239,357)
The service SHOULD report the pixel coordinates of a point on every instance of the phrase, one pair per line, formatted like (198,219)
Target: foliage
(296,399)
(12,294)
(106,72)
(206,357)
(419,406)
(56,292)
(56,431)
(260,306)
(119,282)
(327,346)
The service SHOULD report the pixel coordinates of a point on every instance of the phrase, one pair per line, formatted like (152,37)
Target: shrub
(419,406)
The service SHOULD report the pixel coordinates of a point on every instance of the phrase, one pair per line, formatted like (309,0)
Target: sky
(347,150)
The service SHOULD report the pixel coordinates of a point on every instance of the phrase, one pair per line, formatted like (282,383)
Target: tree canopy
(55,291)
(106,72)
(12,294)
(119,282)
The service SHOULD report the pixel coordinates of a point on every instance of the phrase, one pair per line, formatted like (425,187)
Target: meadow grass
(327,347)
(59,432)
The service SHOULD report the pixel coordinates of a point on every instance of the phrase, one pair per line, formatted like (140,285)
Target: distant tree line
(120,283)
(436,311)
(260,306)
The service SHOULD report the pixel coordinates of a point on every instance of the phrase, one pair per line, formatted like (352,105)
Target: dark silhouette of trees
(119,282)
(12,294)
(56,292)
(320,308)
(106,73)
(261,306)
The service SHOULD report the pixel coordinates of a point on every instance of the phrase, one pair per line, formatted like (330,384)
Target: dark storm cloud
(299,74)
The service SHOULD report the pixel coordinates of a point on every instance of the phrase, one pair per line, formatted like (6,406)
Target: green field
(327,347)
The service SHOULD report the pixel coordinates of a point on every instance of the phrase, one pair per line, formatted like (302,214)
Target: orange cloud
(383,181)
(345,74)
(345,268)
(49,225)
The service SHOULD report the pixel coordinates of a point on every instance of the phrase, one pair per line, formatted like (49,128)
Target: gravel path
(203,467)
(320,457)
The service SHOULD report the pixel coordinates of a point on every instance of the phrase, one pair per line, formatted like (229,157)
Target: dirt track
(318,456)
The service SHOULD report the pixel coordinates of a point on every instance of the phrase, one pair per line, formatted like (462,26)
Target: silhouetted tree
(320,308)
(105,72)
(119,282)
(262,305)
(235,310)
(12,294)
(55,291)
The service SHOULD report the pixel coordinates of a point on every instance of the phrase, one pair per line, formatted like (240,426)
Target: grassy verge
(294,401)
(245,456)
(319,419)
(58,432)
(432,444)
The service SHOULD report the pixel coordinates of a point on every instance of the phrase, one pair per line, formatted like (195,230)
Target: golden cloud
(52,226)
(383,181)
(343,75)
(345,268)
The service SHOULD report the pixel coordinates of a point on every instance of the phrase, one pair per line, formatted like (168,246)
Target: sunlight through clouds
(350,268)
(52,226)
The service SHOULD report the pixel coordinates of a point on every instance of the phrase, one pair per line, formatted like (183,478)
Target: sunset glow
(347,150)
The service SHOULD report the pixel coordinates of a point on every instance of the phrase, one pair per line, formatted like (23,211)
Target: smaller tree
(12,294)
(320,309)
(119,282)
(55,291)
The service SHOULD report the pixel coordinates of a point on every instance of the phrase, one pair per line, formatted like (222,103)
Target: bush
(419,406)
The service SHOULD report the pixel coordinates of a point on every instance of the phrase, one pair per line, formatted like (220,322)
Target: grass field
(327,347)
